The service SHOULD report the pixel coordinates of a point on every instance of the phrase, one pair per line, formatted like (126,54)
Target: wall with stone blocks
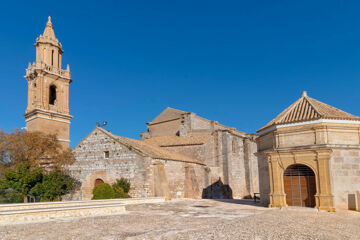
(264,178)
(91,164)
(169,128)
(345,178)
(185,180)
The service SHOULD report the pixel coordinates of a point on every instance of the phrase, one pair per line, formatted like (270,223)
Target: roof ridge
(308,99)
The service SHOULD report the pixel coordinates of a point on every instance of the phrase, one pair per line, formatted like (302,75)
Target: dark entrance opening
(98,181)
(300,186)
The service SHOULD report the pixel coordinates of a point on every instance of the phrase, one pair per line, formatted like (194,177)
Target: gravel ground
(197,219)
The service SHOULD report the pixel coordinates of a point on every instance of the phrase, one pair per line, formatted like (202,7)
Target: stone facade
(185,157)
(228,153)
(149,174)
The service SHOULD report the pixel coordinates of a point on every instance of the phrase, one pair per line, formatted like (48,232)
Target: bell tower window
(52,57)
(52,95)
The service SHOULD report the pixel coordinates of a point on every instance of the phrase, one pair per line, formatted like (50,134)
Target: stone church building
(307,156)
(181,155)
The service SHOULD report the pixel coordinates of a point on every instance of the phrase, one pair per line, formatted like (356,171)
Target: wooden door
(300,186)
(98,181)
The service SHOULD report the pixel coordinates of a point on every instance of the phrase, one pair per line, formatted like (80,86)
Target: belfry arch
(52,95)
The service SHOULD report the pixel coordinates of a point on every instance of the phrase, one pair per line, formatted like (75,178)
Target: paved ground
(197,219)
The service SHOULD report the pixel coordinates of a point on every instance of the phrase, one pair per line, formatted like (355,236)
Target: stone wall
(185,180)
(167,128)
(345,174)
(91,164)
(264,178)
(149,177)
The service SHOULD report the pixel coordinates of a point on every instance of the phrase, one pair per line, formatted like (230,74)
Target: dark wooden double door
(300,186)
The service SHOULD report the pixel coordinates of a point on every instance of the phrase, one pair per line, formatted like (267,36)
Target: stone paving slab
(196,219)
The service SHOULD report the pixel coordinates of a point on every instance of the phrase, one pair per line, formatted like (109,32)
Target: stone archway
(300,186)
(98,181)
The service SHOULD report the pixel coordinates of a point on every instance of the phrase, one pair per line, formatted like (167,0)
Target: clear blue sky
(237,62)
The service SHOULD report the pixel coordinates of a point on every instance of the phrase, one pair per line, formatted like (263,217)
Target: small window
(106,154)
(52,57)
(52,95)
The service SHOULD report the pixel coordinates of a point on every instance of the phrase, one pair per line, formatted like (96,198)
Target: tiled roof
(150,150)
(194,139)
(308,109)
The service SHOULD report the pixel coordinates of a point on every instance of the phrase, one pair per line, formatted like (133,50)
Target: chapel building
(309,156)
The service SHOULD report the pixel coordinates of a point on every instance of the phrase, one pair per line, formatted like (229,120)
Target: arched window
(52,95)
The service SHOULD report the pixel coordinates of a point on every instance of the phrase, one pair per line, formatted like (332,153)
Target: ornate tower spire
(48,88)
(49,31)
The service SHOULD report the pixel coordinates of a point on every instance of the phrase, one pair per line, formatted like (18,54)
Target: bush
(10,196)
(103,191)
(119,192)
(123,183)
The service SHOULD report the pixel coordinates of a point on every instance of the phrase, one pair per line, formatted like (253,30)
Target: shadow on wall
(217,190)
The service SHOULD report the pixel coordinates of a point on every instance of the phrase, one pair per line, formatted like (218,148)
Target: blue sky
(238,62)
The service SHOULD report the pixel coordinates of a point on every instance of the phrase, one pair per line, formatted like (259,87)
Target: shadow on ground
(249,202)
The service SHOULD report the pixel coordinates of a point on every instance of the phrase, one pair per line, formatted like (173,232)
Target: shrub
(124,184)
(119,192)
(10,196)
(103,191)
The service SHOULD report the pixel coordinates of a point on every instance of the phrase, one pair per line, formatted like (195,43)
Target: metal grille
(300,187)
(298,170)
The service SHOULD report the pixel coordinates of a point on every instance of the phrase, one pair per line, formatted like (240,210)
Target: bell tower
(48,89)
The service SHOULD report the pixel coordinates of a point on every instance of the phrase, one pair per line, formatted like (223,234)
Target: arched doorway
(300,186)
(98,181)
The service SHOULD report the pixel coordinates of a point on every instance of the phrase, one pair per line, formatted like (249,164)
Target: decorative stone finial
(49,19)
(68,68)
(304,94)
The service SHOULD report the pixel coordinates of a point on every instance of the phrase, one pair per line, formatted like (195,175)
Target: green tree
(53,185)
(21,181)
(103,191)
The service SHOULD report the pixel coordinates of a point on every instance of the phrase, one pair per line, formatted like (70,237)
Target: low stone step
(41,205)
(43,214)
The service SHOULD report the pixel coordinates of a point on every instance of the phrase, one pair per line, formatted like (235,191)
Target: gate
(300,186)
